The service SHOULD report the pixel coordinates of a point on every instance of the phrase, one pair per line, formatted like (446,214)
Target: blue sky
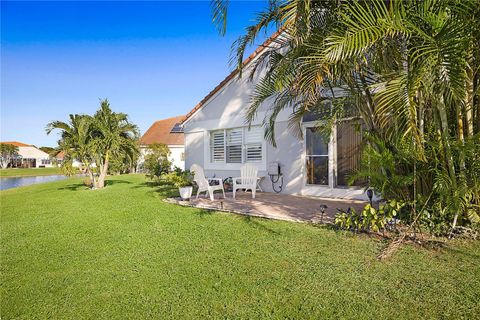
(152,60)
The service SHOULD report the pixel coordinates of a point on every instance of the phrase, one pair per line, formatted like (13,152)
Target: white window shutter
(234,145)
(217,145)
(253,144)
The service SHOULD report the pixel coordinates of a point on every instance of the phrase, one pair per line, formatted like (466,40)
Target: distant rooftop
(167,131)
(16,144)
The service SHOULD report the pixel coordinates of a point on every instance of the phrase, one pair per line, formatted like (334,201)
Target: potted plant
(183,180)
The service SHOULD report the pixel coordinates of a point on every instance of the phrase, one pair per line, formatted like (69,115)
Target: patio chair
(202,182)
(247,179)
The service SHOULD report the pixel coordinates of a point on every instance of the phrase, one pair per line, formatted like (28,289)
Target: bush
(370,219)
(156,161)
(179,178)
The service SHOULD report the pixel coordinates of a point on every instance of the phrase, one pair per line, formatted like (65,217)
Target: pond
(14,182)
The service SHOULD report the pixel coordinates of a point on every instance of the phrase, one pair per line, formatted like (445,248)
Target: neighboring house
(29,156)
(170,132)
(60,157)
(217,138)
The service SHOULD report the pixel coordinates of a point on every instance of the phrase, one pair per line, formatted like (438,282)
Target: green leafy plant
(179,178)
(157,161)
(370,219)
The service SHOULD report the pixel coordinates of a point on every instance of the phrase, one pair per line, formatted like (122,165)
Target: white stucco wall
(227,109)
(31,152)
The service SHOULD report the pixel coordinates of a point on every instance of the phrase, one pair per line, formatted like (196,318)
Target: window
(316,156)
(45,161)
(237,145)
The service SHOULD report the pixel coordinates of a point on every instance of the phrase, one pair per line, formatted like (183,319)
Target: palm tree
(112,136)
(76,140)
(410,68)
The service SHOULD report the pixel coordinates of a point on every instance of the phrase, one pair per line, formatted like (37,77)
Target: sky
(152,60)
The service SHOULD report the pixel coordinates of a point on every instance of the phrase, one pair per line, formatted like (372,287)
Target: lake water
(14,182)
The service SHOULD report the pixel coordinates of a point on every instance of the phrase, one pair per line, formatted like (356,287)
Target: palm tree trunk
(469,97)
(103,173)
(447,149)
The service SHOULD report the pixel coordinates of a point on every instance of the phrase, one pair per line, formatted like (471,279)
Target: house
(29,156)
(167,131)
(60,158)
(308,164)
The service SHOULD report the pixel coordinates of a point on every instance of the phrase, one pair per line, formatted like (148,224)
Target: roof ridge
(229,77)
(169,118)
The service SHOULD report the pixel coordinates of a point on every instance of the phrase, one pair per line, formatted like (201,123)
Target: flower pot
(185,192)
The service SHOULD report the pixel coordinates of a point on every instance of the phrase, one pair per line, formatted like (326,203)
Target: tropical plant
(75,142)
(113,135)
(51,151)
(370,219)
(410,69)
(179,178)
(8,152)
(157,160)
(97,140)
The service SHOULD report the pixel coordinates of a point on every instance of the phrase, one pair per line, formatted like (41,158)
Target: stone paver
(275,206)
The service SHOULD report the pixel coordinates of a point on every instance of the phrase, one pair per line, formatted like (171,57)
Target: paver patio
(275,206)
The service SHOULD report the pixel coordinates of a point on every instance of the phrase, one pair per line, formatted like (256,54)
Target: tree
(75,141)
(157,160)
(8,152)
(112,136)
(99,139)
(51,151)
(411,70)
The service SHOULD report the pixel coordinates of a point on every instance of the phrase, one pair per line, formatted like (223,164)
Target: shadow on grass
(82,186)
(163,190)
(113,182)
(203,212)
(256,223)
(74,187)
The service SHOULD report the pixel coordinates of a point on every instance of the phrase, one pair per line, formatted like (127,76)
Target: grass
(25,172)
(121,252)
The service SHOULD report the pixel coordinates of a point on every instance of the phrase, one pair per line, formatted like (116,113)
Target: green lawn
(120,252)
(29,172)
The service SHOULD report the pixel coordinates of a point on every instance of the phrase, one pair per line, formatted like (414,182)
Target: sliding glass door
(316,156)
(345,150)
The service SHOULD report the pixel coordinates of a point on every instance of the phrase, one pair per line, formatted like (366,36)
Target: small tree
(7,153)
(156,160)
(113,135)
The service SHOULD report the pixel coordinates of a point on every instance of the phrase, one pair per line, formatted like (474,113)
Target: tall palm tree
(76,140)
(112,136)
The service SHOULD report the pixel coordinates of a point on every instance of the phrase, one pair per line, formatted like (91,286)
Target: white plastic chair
(202,182)
(247,179)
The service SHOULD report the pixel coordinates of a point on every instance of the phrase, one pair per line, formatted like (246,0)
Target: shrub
(179,178)
(156,161)
(370,219)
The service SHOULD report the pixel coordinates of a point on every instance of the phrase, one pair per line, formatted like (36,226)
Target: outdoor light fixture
(322,210)
(370,195)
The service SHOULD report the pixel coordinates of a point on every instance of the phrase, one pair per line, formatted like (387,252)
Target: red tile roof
(160,132)
(60,155)
(233,73)
(16,144)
